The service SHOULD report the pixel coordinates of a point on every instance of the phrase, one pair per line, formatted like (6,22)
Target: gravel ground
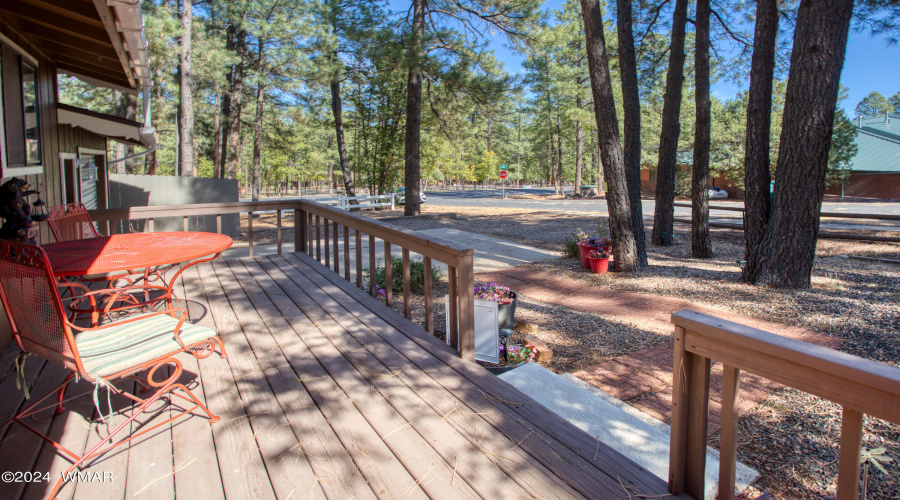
(792,438)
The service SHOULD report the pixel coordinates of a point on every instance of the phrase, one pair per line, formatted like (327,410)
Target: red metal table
(130,251)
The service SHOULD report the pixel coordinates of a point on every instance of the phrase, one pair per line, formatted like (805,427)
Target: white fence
(366,202)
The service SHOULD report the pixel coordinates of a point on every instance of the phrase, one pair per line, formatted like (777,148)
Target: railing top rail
(195,209)
(387,231)
(439,249)
(862,384)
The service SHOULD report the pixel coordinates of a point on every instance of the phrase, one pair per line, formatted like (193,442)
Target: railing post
(407,295)
(467,307)
(678,436)
(373,285)
(299,230)
(388,275)
(392,202)
(249,232)
(731,387)
(851,445)
(278,229)
(429,300)
(336,250)
(690,414)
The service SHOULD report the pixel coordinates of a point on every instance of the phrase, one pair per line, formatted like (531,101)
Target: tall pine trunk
(217,131)
(757,177)
(608,137)
(631,104)
(258,124)
(233,138)
(788,249)
(186,151)
(414,111)
(701,245)
(663,217)
(559,153)
(579,149)
(338,112)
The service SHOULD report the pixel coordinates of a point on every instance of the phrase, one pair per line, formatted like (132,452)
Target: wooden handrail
(311,223)
(861,386)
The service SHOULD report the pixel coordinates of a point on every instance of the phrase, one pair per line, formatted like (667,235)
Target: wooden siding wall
(870,185)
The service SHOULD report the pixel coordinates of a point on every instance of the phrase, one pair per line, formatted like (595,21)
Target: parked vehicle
(717,193)
(401,199)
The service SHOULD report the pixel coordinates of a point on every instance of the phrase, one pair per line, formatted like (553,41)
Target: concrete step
(636,435)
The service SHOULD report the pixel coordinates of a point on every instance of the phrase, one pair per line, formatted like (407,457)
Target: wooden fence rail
(860,386)
(319,227)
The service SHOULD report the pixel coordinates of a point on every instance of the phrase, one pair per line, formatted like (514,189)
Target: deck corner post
(467,307)
(690,418)
(677,449)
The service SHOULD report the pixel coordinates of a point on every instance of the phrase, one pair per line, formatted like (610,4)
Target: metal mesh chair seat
(109,350)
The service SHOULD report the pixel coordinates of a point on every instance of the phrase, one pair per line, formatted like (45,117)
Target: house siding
(870,185)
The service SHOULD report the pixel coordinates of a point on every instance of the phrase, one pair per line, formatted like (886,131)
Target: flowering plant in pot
(586,244)
(505,299)
(605,244)
(599,260)
(513,356)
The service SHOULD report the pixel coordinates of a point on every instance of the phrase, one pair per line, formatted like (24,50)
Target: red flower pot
(585,251)
(599,266)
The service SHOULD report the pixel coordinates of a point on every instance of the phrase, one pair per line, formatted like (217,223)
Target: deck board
(193,448)
(325,393)
(447,417)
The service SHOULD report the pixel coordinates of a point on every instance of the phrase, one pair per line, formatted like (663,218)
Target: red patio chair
(71,222)
(101,355)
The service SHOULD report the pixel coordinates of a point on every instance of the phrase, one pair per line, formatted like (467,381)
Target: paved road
(492,199)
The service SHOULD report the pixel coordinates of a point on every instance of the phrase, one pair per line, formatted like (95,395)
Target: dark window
(21,122)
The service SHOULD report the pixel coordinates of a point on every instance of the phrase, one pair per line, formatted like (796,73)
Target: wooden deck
(325,394)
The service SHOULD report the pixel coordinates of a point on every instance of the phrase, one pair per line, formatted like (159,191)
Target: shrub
(416,275)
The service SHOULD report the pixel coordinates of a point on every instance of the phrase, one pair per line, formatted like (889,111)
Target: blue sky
(870,64)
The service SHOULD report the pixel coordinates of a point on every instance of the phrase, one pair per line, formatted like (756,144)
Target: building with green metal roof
(875,170)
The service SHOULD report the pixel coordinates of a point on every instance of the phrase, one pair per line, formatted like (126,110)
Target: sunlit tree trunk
(664,214)
(701,245)
(608,138)
(757,178)
(414,111)
(186,150)
(631,104)
(788,248)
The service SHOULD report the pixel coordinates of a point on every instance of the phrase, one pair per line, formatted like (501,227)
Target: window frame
(7,170)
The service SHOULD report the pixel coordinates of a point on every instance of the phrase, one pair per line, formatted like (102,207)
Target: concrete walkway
(644,378)
(619,426)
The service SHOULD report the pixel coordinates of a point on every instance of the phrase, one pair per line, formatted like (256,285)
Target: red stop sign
(503,174)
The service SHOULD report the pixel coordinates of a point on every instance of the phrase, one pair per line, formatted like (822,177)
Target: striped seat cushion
(110,350)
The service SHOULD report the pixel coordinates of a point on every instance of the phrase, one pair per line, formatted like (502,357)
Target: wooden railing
(861,386)
(317,226)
